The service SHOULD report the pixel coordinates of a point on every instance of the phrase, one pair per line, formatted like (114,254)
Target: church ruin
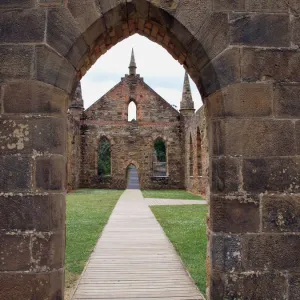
(165,146)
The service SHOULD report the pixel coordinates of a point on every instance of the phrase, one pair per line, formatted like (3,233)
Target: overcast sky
(158,68)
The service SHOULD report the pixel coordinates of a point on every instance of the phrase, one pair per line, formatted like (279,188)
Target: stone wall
(197,166)
(131,142)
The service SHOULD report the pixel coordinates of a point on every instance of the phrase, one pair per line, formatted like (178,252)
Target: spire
(132,66)
(187,99)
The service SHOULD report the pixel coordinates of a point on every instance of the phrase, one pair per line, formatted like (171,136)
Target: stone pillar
(32,182)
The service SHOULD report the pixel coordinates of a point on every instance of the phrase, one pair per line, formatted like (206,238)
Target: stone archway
(244,59)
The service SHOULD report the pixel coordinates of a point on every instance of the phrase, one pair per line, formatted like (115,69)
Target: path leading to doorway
(134,259)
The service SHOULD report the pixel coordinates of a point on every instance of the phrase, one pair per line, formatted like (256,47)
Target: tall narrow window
(131,111)
(191,158)
(104,157)
(199,151)
(159,159)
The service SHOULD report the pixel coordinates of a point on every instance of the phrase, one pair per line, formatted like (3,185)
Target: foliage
(185,227)
(87,214)
(160,149)
(104,158)
(170,194)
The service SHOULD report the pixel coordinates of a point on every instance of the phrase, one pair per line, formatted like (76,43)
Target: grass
(185,226)
(87,213)
(170,194)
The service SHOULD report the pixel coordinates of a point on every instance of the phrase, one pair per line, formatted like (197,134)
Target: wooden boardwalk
(133,259)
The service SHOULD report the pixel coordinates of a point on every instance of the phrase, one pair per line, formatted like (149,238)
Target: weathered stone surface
(286,100)
(17,3)
(272,251)
(41,213)
(221,71)
(48,251)
(22,26)
(16,62)
(31,285)
(65,37)
(281,213)
(54,69)
(225,252)
(297,126)
(229,5)
(271,174)
(270,65)
(253,137)
(264,30)
(256,286)
(267,5)
(296,31)
(234,214)
(50,173)
(15,173)
(225,175)
(241,100)
(15,252)
(294,286)
(27,136)
(33,97)
(114,12)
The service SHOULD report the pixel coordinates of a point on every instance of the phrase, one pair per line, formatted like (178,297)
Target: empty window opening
(199,155)
(104,157)
(131,112)
(191,158)
(159,159)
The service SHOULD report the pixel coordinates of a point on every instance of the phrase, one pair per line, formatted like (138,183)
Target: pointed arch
(199,153)
(191,157)
(104,157)
(132,111)
(159,158)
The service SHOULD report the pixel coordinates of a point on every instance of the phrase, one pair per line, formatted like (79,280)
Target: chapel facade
(167,147)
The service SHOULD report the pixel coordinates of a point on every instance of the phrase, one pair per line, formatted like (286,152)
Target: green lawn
(170,194)
(185,226)
(87,213)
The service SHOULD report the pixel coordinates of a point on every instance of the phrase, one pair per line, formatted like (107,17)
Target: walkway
(133,259)
(155,201)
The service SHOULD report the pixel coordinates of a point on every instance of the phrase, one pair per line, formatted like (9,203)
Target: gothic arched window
(191,157)
(159,158)
(132,111)
(199,153)
(104,157)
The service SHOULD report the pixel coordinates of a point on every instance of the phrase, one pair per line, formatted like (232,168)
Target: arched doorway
(132,177)
(250,80)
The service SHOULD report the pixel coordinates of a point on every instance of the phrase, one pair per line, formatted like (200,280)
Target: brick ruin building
(132,142)
(244,57)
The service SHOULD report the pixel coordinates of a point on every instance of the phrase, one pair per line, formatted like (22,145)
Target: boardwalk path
(133,259)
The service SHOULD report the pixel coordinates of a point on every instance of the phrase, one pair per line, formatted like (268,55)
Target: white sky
(158,68)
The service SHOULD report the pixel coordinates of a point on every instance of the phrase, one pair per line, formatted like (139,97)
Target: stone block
(229,5)
(267,6)
(54,69)
(225,175)
(294,286)
(270,252)
(22,26)
(50,173)
(296,31)
(48,250)
(33,97)
(225,252)
(15,252)
(114,13)
(254,137)
(40,213)
(281,213)
(286,100)
(234,215)
(16,62)
(272,175)
(220,72)
(65,37)
(256,286)
(137,9)
(15,173)
(297,126)
(17,3)
(24,136)
(264,30)
(16,286)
